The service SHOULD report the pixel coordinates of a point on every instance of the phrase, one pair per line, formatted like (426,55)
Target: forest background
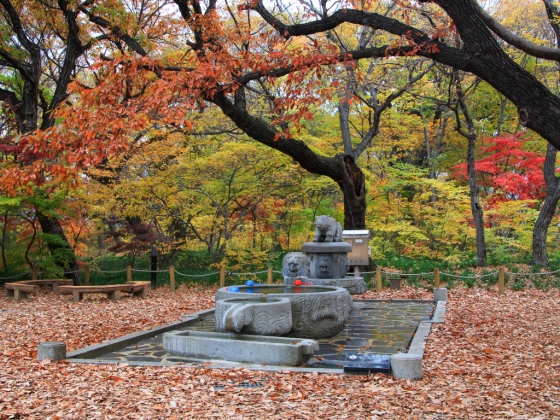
(101,160)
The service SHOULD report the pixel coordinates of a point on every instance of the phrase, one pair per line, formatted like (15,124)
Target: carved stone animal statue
(327,230)
(324,266)
(295,264)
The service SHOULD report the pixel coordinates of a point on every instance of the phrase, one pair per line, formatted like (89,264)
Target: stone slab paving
(376,327)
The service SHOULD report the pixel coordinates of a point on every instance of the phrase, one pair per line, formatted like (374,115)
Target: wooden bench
(136,288)
(113,291)
(21,289)
(18,291)
(54,283)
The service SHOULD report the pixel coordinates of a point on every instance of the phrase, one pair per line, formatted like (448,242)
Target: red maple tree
(507,170)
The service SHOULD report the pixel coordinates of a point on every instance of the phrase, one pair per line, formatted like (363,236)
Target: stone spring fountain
(314,302)
(324,261)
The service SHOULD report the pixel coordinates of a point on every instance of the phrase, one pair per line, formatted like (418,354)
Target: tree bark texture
(61,251)
(476,208)
(353,190)
(342,169)
(548,208)
(480,54)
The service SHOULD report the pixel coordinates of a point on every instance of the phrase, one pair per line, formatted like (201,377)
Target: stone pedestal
(354,285)
(440,294)
(53,350)
(327,260)
(406,366)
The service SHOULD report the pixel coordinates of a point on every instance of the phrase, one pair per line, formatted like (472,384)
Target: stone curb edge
(409,365)
(117,343)
(406,363)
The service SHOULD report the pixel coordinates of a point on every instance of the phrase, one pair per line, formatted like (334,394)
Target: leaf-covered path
(494,357)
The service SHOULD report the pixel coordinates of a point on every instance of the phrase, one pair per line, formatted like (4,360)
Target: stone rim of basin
(264,289)
(317,311)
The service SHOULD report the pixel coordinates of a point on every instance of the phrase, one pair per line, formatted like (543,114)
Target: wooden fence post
(222,275)
(172,277)
(128,273)
(269,274)
(501,281)
(378,277)
(34,275)
(86,276)
(436,278)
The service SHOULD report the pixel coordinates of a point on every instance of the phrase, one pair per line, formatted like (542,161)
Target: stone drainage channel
(396,328)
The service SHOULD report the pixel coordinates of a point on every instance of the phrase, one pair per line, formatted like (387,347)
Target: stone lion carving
(327,230)
(295,264)
(324,266)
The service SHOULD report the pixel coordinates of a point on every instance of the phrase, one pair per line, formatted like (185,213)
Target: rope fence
(406,274)
(149,271)
(476,276)
(392,276)
(16,276)
(109,272)
(246,274)
(197,275)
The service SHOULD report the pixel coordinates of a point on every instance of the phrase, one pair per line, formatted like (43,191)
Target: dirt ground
(496,356)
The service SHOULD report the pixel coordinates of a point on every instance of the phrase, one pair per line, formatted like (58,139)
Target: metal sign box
(368,363)
(360,250)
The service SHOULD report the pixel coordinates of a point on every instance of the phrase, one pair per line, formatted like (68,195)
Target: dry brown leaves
(495,357)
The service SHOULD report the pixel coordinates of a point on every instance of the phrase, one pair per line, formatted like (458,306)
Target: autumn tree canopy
(268,69)
(231,57)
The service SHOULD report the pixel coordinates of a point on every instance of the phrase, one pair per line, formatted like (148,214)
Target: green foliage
(419,217)
(407,264)
(195,262)
(519,283)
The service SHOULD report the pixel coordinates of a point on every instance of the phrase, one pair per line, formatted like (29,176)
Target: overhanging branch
(514,40)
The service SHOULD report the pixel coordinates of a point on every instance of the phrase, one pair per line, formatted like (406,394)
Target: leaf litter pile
(494,357)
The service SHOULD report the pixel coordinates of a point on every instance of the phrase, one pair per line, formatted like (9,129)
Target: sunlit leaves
(418,217)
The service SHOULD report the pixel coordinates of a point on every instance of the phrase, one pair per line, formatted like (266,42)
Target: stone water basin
(239,347)
(261,316)
(317,311)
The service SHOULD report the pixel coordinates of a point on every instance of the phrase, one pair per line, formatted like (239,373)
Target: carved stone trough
(239,347)
(317,311)
(254,316)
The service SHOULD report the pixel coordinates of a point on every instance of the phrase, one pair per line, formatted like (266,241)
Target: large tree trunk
(28,104)
(548,208)
(470,135)
(27,113)
(354,192)
(552,183)
(476,208)
(61,250)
